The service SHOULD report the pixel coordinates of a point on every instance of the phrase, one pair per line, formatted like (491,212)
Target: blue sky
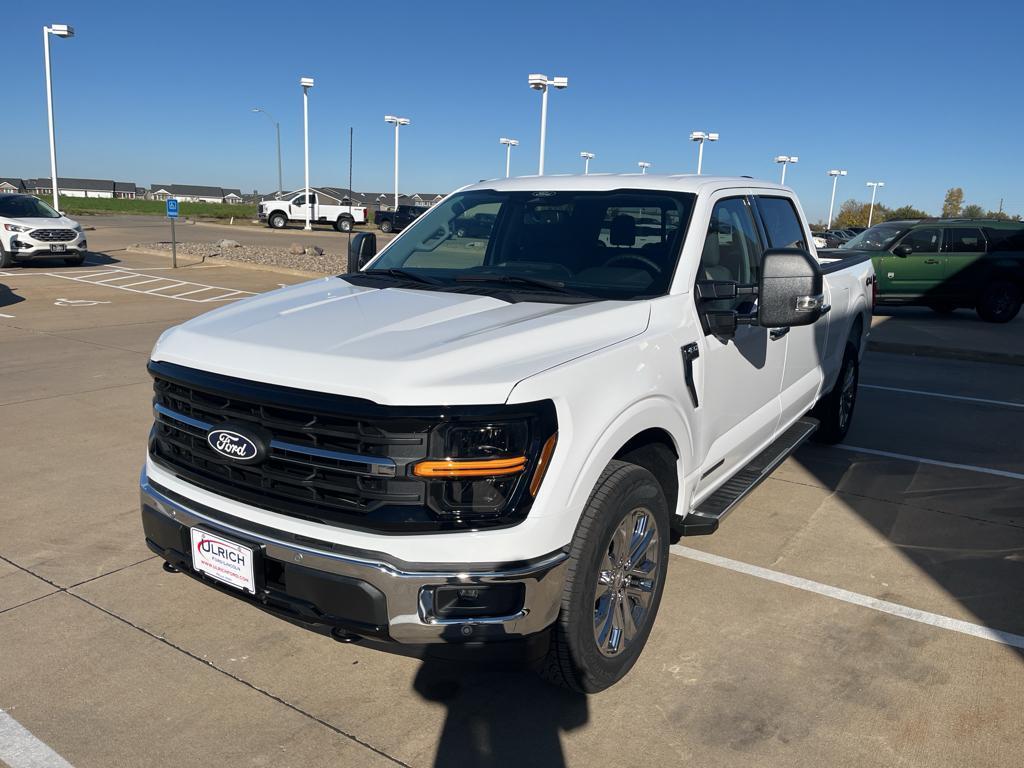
(921,95)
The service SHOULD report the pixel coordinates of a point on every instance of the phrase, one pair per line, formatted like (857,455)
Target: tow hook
(170,568)
(344,637)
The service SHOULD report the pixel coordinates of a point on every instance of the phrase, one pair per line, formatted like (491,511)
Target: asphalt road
(861,608)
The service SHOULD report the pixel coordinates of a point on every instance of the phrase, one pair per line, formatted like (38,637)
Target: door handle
(777,333)
(931,261)
(690,353)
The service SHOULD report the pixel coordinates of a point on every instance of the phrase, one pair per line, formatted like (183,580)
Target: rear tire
(277,221)
(343,224)
(386,226)
(999,302)
(609,600)
(835,410)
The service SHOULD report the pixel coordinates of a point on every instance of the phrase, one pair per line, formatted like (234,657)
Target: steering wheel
(648,264)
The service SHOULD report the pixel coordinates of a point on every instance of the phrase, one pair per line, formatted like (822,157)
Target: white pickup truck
(492,437)
(293,209)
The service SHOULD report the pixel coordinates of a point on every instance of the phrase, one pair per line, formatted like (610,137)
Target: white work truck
(294,209)
(493,436)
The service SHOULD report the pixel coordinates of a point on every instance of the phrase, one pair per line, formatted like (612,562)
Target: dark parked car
(948,263)
(396,221)
(832,239)
(478,225)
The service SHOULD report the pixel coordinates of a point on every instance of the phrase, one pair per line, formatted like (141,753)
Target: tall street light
(700,137)
(874,188)
(835,174)
(786,160)
(643,167)
(509,143)
(306,83)
(587,157)
(60,30)
(277,127)
(541,83)
(398,122)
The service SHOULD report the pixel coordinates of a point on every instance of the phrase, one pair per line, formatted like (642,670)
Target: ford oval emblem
(232,444)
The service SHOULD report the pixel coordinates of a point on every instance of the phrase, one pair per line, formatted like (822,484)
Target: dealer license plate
(223,559)
(58,248)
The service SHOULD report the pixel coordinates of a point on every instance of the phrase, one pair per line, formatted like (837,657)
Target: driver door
(742,376)
(921,271)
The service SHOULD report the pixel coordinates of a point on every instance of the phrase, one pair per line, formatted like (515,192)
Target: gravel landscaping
(309,259)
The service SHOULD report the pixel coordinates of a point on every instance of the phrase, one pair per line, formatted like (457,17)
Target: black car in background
(397,220)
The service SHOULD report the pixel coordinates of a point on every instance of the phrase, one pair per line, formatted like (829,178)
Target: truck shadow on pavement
(498,714)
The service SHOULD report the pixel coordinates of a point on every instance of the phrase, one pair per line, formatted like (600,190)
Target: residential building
(190,193)
(11,186)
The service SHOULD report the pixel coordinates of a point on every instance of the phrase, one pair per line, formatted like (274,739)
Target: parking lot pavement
(861,607)
(958,335)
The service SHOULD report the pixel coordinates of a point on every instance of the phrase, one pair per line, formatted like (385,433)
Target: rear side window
(781,223)
(1005,239)
(964,240)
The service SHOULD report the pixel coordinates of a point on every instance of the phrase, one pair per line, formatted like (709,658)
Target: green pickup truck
(948,263)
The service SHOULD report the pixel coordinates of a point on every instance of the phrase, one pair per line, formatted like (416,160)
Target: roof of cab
(604,182)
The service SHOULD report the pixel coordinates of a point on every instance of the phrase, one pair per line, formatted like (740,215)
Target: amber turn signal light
(470,467)
(542,463)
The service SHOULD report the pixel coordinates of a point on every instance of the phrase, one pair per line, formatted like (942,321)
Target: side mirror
(791,290)
(362,249)
(903,251)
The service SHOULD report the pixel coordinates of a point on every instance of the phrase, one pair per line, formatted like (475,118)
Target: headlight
(488,470)
(78,228)
(16,228)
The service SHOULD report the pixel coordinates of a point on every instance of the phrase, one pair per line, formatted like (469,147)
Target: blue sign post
(172,214)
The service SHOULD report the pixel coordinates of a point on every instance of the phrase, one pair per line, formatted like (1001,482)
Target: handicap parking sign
(172,208)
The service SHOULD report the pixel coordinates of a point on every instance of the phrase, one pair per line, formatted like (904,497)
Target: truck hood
(395,346)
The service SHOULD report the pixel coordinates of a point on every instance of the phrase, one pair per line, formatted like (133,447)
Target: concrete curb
(228,263)
(970,355)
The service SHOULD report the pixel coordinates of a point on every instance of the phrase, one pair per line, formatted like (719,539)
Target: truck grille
(329,459)
(53,235)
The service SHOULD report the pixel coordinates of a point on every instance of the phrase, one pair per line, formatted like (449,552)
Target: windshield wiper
(403,274)
(549,285)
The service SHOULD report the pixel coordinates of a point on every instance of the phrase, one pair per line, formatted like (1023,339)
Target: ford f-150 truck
(470,440)
(278,213)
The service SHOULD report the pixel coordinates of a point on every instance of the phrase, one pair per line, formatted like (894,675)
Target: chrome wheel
(847,395)
(626,582)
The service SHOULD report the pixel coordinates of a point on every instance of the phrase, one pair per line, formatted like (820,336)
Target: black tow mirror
(791,290)
(362,249)
(903,251)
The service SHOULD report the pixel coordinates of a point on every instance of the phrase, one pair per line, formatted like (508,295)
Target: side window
(300,200)
(964,240)
(732,250)
(923,240)
(781,223)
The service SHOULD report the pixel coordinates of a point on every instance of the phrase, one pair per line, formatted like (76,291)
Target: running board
(704,519)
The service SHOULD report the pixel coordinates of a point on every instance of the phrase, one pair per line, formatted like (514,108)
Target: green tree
(905,212)
(1002,215)
(973,211)
(854,213)
(953,203)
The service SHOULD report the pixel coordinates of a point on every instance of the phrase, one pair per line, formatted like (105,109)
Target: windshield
(18,207)
(621,244)
(878,238)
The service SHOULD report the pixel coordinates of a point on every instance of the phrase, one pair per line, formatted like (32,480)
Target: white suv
(30,229)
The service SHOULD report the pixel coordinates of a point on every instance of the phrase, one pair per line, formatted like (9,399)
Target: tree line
(854,213)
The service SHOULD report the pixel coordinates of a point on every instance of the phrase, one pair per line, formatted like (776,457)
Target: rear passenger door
(964,248)
(804,344)
(741,376)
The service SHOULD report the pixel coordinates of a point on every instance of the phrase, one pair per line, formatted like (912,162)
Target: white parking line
(20,749)
(3,315)
(855,598)
(933,462)
(1006,403)
(111,279)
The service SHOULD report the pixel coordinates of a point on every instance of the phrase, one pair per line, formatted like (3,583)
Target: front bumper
(357,593)
(24,247)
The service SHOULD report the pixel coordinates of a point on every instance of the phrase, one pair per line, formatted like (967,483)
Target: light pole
(398,122)
(835,174)
(60,30)
(874,188)
(587,157)
(306,83)
(700,137)
(509,143)
(277,127)
(541,83)
(643,167)
(786,160)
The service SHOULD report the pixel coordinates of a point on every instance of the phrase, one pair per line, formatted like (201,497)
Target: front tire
(6,259)
(75,261)
(616,575)
(277,221)
(835,410)
(343,224)
(999,302)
